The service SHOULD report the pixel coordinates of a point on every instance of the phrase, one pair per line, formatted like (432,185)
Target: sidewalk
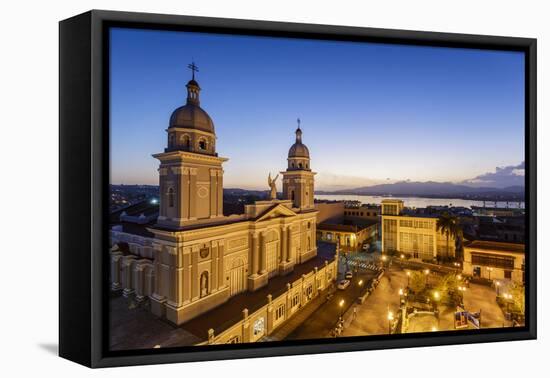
(294,322)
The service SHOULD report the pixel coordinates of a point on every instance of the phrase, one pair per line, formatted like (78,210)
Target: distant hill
(431,189)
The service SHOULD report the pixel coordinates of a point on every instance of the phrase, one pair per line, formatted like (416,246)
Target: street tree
(449,226)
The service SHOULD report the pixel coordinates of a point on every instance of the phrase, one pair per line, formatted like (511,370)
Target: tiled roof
(496,246)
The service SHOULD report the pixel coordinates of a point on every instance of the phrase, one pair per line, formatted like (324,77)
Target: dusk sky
(371,113)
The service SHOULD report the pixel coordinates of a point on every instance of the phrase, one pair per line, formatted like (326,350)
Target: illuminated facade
(414,235)
(494,260)
(194,259)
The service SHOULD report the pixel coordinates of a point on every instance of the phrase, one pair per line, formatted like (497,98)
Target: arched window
(292,165)
(300,165)
(170,140)
(308,243)
(292,195)
(202,144)
(171,197)
(204,284)
(185,141)
(307,166)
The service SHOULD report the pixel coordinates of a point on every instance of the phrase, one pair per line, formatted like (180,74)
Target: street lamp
(426,272)
(508,298)
(341,304)
(360,282)
(390,318)
(498,287)
(408,277)
(437,296)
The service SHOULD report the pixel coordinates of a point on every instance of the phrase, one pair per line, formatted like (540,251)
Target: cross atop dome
(193,67)
(298,132)
(193,87)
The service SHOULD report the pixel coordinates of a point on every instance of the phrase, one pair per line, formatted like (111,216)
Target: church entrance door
(271,258)
(237,277)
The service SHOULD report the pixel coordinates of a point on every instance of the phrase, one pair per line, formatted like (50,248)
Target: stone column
(186,275)
(183,197)
(220,193)
(139,282)
(255,256)
(284,243)
(115,270)
(289,247)
(263,253)
(213,193)
(214,264)
(221,267)
(193,193)
(246,327)
(175,280)
(270,315)
(194,272)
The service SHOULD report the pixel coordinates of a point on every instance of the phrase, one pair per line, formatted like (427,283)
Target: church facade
(193,258)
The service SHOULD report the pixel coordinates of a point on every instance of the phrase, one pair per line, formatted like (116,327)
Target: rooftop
(496,246)
(354,227)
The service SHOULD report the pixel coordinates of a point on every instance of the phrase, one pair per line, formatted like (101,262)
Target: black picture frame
(84,167)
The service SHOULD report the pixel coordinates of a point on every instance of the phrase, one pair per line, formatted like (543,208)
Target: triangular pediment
(276,211)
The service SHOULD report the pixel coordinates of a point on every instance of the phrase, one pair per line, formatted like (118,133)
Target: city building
(494,260)
(348,236)
(413,233)
(337,223)
(363,212)
(192,258)
(502,228)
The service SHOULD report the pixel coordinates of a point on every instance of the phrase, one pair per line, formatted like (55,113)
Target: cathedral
(192,258)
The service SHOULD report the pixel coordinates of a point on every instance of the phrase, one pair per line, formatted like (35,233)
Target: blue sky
(371,113)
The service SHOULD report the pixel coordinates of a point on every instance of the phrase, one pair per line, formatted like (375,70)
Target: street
(325,318)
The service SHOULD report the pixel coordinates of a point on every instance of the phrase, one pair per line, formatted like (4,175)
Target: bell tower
(190,172)
(298,179)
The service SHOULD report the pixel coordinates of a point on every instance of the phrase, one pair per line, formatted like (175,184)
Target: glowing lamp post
(437,297)
(497,284)
(390,319)
(427,273)
(408,277)
(341,305)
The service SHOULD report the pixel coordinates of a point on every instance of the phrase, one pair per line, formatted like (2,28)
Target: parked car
(342,285)
(349,275)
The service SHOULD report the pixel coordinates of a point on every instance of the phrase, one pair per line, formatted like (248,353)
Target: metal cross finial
(298,122)
(193,67)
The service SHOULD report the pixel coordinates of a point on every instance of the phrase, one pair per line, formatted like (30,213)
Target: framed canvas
(234,188)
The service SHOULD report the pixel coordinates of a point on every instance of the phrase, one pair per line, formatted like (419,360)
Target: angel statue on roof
(272,186)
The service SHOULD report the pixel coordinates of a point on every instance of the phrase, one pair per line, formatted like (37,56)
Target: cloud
(512,175)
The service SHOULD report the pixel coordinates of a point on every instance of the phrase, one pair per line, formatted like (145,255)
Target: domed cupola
(191,128)
(298,154)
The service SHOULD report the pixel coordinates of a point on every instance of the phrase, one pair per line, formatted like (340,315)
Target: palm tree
(449,225)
